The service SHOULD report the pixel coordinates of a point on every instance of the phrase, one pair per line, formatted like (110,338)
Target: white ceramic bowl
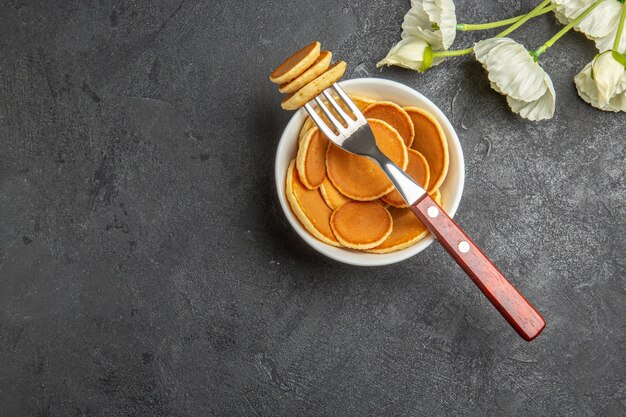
(379,89)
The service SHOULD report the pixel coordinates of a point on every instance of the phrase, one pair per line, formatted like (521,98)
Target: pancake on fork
(313,89)
(359,178)
(296,64)
(315,70)
(418,170)
(311,159)
(395,116)
(309,207)
(430,141)
(361,225)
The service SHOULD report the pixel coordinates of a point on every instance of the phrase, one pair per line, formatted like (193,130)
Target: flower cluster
(430,28)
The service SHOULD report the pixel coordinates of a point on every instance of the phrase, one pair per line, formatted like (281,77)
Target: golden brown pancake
(314,88)
(296,64)
(407,230)
(395,116)
(311,159)
(436,195)
(331,195)
(418,170)
(430,141)
(359,178)
(361,103)
(309,207)
(361,225)
(318,68)
(381,202)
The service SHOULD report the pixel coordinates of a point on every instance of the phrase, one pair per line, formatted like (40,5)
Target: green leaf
(619,58)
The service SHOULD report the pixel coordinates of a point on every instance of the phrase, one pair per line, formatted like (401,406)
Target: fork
(355,136)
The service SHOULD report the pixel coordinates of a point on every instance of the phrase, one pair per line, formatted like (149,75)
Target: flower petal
(606,43)
(561,4)
(408,53)
(618,103)
(484,48)
(609,76)
(415,18)
(561,18)
(417,24)
(535,110)
(443,13)
(600,25)
(512,69)
(495,87)
(601,21)
(587,88)
(571,8)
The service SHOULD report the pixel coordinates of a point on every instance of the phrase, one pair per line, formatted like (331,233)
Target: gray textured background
(146,267)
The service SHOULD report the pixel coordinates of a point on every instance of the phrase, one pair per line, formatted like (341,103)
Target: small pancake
(309,207)
(436,196)
(314,88)
(418,170)
(296,64)
(359,178)
(395,116)
(407,230)
(361,103)
(311,159)
(430,141)
(318,68)
(331,195)
(382,203)
(361,225)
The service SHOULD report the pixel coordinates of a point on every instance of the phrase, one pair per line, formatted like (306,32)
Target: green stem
(565,29)
(534,12)
(620,28)
(499,23)
(458,52)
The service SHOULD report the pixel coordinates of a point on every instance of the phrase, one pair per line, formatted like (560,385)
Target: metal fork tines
(354,135)
(347,126)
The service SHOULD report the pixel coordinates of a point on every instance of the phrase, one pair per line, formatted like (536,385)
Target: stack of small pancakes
(305,74)
(343,199)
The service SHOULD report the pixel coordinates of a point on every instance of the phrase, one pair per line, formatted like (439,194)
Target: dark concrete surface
(146,268)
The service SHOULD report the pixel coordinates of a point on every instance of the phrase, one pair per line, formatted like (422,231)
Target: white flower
(600,25)
(514,73)
(432,20)
(602,83)
(411,53)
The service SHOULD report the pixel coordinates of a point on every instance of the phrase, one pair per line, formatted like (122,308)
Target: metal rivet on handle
(464,247)
(432,211)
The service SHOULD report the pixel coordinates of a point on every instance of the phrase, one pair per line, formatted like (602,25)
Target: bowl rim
(349,256)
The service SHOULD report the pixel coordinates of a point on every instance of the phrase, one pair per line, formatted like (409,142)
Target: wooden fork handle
(522,316)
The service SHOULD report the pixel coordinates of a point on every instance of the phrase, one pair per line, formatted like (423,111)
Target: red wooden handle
(526,321)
